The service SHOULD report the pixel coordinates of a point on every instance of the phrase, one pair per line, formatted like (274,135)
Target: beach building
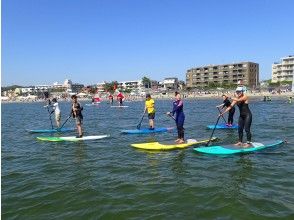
(130,84)
(283,71)
(208,75)
(170,83)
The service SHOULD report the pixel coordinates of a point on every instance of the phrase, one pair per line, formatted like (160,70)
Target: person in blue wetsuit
(180,117)
(226,104)
(245,118)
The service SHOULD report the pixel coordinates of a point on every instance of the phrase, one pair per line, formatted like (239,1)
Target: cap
(239,89)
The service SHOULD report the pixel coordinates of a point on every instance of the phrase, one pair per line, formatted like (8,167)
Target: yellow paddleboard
(159,146)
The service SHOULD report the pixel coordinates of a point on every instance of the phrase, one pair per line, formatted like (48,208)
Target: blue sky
(89,41)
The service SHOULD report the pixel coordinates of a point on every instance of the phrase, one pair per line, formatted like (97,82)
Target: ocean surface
(108,179)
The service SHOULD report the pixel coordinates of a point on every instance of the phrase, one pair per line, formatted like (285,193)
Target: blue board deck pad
(146,131)
(222,126)
(232,149)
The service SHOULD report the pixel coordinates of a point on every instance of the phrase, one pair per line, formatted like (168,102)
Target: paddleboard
(51,130)
(222,126)
(232,149)
(159,146)
(146,131)
(93,104)
(72,138)
(117,106)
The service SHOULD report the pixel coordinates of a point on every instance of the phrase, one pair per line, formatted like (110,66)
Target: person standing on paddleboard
(180,117)
(57,112)
(110,97)
(245,118)
(226,104)
(76,112)
(149,107)
(120,98)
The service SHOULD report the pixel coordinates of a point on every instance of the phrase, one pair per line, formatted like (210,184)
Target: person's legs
(248,121)
(79,126)
(240,130)
(151,117)
(58,119)
(231,116)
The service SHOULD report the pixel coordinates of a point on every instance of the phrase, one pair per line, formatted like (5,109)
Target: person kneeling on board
(76,112)
(149,107)
(245,118)
(180,117)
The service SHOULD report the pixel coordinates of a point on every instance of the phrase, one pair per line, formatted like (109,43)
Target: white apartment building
(283,71)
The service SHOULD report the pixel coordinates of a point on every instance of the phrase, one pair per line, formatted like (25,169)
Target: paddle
(171,116)
(221,112)
(213,131)
(50,113)
(64,123)
(139,125)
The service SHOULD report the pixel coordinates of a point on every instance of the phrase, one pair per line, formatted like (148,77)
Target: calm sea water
(108,179)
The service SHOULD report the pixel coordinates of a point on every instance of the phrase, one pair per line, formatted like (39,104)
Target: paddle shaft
(222,115)
(139,125)
(213,131)
(64,122)
(50,116)
(171,116)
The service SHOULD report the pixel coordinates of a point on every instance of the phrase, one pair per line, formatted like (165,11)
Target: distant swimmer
(290,100)
(227,104)
(245,118)
(76,112)
(150,109)
(178,108)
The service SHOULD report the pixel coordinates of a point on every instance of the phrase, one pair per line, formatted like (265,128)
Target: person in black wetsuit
(180,117)
(245,118)
(227,104)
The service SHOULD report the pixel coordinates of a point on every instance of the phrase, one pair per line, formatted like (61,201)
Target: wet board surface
(146,131)
(222,126)
(232,149)
(117,106)
(72,138)
(174,146)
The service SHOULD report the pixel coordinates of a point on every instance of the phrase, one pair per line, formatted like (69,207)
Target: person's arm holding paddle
(228,108)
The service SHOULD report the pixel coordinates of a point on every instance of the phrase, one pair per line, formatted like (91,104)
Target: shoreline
(187,96)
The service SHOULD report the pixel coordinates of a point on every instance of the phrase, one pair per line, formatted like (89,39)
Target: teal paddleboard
(232,149)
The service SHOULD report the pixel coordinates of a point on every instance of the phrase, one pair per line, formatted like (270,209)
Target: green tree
(146,82)
(109,87)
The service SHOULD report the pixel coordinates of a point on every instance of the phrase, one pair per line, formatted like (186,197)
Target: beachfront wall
(223,74)
(283,71)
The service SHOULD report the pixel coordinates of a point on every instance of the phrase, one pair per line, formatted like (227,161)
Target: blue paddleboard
(51,130)
(146,131)
(232,149)
(222,126)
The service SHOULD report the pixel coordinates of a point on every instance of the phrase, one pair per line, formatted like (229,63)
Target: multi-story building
(170,83)
(248,72)
(283,71)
